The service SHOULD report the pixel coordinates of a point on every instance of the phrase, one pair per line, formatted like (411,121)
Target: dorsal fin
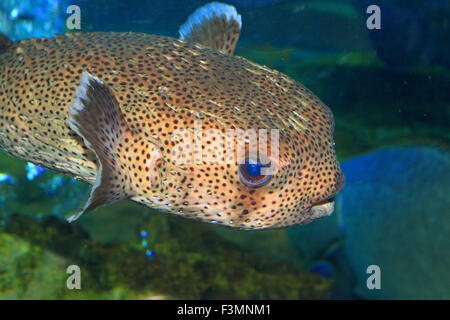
(5,43)
(215,25)
(96,117)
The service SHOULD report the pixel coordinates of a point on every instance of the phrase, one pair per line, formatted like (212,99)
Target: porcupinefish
(120,110)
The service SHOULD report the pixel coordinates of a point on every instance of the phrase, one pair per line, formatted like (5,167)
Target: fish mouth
(322,208)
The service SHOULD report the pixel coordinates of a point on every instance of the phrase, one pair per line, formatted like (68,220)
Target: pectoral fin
(215,25)
(96,117)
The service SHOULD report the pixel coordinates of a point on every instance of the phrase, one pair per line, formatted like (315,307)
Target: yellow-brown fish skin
(162,85)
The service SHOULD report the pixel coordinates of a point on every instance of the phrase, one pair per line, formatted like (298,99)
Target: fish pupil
(254,170)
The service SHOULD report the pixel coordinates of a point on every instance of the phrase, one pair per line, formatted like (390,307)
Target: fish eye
(250,174)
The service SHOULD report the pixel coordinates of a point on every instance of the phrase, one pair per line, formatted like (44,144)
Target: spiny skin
(163,84)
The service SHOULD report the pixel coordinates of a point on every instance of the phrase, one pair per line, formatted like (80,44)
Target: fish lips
(322,208)
(326,207)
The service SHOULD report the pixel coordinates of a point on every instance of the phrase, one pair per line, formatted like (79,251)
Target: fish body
(108,108)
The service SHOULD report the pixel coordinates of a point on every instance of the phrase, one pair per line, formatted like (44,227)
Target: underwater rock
(190,262)
(14,253)
(49,278)
(29,272)
(395,212)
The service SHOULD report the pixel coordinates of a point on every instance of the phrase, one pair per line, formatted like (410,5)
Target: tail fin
(5,43)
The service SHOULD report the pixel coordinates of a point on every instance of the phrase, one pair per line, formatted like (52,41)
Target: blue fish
(410,32)
(323,268)
(395,213)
